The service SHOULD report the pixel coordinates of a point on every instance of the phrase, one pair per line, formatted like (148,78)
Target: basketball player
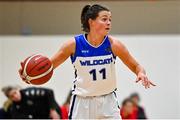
(93,55)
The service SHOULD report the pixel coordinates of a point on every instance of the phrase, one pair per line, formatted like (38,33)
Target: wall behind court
(129,17)
(158,54)
(179,76)
(1,62)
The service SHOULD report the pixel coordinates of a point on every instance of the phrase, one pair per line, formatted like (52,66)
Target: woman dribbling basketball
(93,56)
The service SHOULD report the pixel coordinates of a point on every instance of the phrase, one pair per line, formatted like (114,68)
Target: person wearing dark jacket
(32,102)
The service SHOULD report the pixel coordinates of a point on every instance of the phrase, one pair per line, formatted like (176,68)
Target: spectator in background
(32,102)
(4,110)
(140,110)
(128,109)
(65,107)
(3,114)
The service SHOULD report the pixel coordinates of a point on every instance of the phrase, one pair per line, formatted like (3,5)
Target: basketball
(37,69)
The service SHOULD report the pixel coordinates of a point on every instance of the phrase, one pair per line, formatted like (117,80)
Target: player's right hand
(21,73)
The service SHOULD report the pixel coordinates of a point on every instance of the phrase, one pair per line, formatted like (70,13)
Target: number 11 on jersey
(93,72)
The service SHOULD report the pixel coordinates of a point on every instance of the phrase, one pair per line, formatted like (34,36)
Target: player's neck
(95,39)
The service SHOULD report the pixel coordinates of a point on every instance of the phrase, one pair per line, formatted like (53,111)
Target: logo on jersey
(96,62)
(85,51)
(108,49)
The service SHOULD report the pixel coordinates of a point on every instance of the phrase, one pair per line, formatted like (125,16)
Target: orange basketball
(37,69)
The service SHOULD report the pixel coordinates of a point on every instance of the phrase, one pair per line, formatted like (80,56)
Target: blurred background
(149,28)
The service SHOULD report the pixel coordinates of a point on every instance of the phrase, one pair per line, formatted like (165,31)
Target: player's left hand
(145,81)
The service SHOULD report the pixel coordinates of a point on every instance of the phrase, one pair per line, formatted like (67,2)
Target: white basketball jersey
(94,68)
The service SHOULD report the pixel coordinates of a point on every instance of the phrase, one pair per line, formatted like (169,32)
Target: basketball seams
(38,64)
(26,63)
(29,78)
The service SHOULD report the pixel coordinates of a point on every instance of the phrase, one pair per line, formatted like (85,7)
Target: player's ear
(90,21)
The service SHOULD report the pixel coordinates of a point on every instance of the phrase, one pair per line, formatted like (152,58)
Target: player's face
(102,24)
(15,95)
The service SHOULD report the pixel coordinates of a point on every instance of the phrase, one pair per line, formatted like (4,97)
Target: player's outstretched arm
(121,51)
(64,52)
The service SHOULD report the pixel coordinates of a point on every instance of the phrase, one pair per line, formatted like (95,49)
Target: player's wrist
(140,70)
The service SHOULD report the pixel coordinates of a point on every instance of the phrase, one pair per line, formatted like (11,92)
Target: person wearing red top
(65,107)
(128,110)
(139,109)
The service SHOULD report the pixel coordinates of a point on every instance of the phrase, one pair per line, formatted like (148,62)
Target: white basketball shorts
(98,107)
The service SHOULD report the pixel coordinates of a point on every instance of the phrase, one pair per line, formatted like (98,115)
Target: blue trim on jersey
(116,97)
(85,49)
(72,107)
(92,45)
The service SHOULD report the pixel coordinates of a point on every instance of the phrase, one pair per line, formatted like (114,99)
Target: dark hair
(135,95)
(125,101)
(90,12)
(68,99)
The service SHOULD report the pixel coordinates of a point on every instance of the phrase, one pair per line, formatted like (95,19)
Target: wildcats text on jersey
(96,62)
